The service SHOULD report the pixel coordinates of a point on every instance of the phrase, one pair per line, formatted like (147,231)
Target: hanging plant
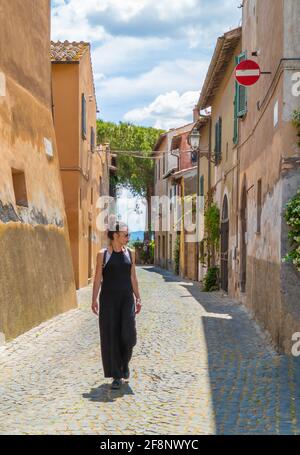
(212,225)
(292,217)
(296,122)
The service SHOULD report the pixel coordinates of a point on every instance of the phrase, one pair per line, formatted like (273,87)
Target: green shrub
(296,122)
(177,254)
(211,280)
(292,217)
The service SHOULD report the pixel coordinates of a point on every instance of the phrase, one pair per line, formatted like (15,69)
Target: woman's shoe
(116,384)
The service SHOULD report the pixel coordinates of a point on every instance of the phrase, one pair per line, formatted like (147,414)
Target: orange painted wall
(36,275)
(80,168)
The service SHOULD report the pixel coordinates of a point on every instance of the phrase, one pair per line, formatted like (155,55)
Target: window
(19,184)
(92,194)
(158,168)
(100,186)
(92,138)
(275,114)
(240,100)
(259,206)
(241,91)
(202,185)
(218,141)
(83,116)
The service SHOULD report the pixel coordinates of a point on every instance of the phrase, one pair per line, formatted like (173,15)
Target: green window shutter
(83,116)
(218,141)
(202,185)
(241,92)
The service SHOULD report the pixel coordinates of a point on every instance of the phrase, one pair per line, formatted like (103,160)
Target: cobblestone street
(200,366)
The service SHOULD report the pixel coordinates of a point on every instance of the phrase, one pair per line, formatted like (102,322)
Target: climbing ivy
(177,254)
(296,122)
(212,225)
(212,240)
(292,217)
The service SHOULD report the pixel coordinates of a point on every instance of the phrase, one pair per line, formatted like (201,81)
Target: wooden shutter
(218,141)
(241,92)
(83,116)
(202,185)
(92,138)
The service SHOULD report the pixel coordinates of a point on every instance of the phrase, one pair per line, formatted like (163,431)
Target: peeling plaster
(26,215)
(2,84)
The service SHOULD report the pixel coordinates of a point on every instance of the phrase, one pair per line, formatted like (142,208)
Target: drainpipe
(209,177)
(182,237)
(198,214)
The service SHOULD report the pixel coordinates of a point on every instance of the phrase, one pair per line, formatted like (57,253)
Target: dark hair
(117,226)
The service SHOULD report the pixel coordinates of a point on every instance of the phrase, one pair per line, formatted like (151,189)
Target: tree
(133,173)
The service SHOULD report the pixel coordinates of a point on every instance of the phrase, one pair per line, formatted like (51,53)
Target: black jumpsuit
(116,315)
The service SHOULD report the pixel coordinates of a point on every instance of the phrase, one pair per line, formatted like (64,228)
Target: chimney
(196,113)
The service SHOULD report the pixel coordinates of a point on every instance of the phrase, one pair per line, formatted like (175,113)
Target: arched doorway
(224,244)
(243,232)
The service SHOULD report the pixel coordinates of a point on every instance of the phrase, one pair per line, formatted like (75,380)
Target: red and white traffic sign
(247,72)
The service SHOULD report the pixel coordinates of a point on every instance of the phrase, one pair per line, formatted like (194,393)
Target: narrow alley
(200,366)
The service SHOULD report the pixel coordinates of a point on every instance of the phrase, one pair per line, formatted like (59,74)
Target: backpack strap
(130,255)
(104,258)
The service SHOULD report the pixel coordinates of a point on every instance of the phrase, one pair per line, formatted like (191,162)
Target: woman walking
(115,272)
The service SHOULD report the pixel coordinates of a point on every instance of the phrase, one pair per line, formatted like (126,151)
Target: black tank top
(117,272)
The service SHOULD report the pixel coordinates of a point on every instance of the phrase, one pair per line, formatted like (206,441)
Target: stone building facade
(36,274)
(83,165)
(269,172)
(258,163)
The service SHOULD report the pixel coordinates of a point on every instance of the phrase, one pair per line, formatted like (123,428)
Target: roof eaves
(222,54)
(159,142)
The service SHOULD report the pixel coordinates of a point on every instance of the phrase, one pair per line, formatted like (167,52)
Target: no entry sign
(247,72)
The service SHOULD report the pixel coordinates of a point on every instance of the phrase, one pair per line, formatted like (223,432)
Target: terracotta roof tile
(67,51)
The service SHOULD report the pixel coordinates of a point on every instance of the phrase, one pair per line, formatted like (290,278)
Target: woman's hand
(95,307)
(138,306)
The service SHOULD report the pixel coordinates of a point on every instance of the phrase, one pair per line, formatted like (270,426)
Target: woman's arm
(97,282)
(135,285)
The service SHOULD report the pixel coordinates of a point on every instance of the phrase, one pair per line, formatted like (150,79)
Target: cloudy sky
(149,57)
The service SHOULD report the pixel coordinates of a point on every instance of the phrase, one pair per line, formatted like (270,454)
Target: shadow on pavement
(254,390)
(105,394)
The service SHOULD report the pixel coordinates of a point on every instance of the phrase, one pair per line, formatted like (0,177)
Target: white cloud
(119,54)
(69,22)
(125,10)
(141,49)
(166,111)
(179,75)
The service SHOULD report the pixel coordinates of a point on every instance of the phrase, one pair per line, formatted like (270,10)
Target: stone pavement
(200,366)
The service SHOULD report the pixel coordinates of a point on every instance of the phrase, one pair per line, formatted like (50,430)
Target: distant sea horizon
(138,235)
